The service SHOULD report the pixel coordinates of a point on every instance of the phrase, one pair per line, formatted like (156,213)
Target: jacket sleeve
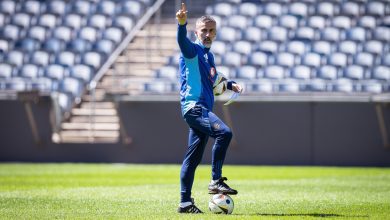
(186,46)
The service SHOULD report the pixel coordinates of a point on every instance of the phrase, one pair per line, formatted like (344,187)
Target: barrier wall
(265,133)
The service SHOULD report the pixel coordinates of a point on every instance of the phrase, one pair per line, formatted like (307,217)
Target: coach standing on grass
(197,76)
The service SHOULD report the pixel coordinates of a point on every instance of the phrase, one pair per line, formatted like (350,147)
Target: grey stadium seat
(327,9)
(248,9)
(366,21)
(356,34)
(273,9)
(99,21)
(338,59)
(381,72)
(274,72)
(242,47)
(354,72)
(342,22)
(219,48)
(372,86)
(82,7)
(73,86)
(29,71)
(331,34)
(382,33)
(288,21)
(8,6)
(348,47)
(300,72)
(237,21)
(258,59)
(374,46)
(232,59)
(15,57)
(263,86)
(305,34)
(57,7)
(227,34)
(364,59)
(311,59)
(322,47)
(21,19)
(124,22)
(65,58)
(317,22)
(263,21)
(285,59)
(64,33)
(37,32)
(299,9)
(32,7)
(131,7)
(73,20)
(343,85)
(277,33)
(350,8)
(289,85)
(82,72)
(48,20)
(375,8)
(88,33)
(104,46)
(114,34)
(11,32)
(268,46)
(93,59)
(106,7)
(327,72)
(55,71)
(252,34)
(296,47)
(246,72)
(6,70)
(222,9)
(40,57)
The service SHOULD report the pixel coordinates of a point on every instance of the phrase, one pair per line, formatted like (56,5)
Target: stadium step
(89,111)
(90,126)
(96,119)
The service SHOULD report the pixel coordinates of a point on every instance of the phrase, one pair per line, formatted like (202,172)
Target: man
(197,76)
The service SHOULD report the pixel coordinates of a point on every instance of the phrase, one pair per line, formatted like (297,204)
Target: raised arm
(186,46)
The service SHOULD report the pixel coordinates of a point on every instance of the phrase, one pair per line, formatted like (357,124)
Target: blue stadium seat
(317,85)
(15,57)
(296,47)
(73,20)
(16,84)
(311,59)
(29,71)
(348,47)
(82,7)
(381,72)
(232,59)
(305,34)
(104,46)
(11,32)
(372,86)
(356,34)
(8,6)
(300,72)
(327,9)
(114,34)
(227,34)
(317,22)
(274,72)
(330,34)
(32,7)
(364,59)
(242,47)
(322,47)
(299,9)
(48,20)
(130,7)
(343,85)
(219,48)
(268,46)
(366,21)
(64,33)
(341,22)
(4,46)
(252,34)
(288,21)
(88,33)
(277,33)
(82,72)
(72,85)
(222,9)
(226,71)
(354,72)
(263,86)
(106,7)
(53,45)
(248,9)
(375,8)
(327,72)
(65,58)
(246,72)
(6,70)
(40,57)
(79,45)
(350,8)
(289,85)
(382,33)
(21,19)
(57,7)
(93,59)
(37,32)
(28,45)
(263,21)
(285,59)
(237,21)
(273,9)
(3,19)
(386,59)
(338,59)
(374,47)
(258,59)
(98,21)
(124,22)
(55,71)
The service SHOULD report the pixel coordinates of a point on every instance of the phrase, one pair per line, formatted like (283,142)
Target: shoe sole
(220,192)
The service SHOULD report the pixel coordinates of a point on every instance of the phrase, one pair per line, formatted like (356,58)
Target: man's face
(206,33)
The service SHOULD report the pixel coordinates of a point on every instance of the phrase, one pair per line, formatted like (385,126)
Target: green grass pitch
(128,191)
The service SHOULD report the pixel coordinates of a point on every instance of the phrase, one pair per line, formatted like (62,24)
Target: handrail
(122,46)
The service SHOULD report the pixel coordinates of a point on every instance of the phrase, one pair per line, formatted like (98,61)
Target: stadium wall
(265,133)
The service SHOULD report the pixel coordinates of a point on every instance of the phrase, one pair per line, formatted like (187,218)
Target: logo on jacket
(206,58)
(212,72)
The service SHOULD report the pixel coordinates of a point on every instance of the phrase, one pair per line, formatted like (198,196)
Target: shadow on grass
(319,215)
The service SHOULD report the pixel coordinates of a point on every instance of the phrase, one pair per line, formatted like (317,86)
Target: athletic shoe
(220,187)
(190,208)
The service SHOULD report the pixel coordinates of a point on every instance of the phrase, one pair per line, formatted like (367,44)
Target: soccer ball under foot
(221,204)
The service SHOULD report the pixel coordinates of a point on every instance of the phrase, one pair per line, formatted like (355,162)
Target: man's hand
(181,15)
(236,88)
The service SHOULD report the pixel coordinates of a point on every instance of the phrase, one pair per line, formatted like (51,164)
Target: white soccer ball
(221,204)
(220,85)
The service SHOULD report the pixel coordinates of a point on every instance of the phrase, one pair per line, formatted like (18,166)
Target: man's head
(206,30)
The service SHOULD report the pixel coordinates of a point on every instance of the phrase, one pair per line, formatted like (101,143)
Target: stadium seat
(3,19)
(347,47)
(285,59)
(32,7)
(300,72)
(317,85)
(268,46)
(278,34)
(248,9)
(327,72)
(104,46)
(304,34)
(65,101)
(225,70)
(375,8)
(64,33)
(252,34)
(364,59)
(246,72)
(57,7)
(366,21)
(82,7)
(4,46)
(53,45)
(37,32)
(21,19)
(356,34)
(382,33)
(73,86)
(11,32)
(93,59)
(98,21)
(29,71)
(330,34)
(237,21)
(82,72)
(222,9)
(258,59)
(273,9)
(88,33)
(232,59)
(43,84)
(341,22)
(263,21)
(299,9)
(65,58)
(289,85)
(123,22)
(327,9)
(227,34)
(288,21)
(48,20)
(40,57)
(218,48)
(381,72)
(6,70)
(79,45)
(322,47)
(15,57)
(296,47)
(263,86)
(386,59)
(374,47)
(372,86)
(106,7)
(354,72)
(132,8)
(343,85)
(55,71)
(8,6)
(28,45)
(242,47)
(317,22)
(114,34)
(274,72)
(350,8)
(338,59)
(73,20)
(157,87)
(16,84)
(311,59)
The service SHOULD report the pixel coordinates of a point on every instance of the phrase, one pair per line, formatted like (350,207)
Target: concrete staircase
(96,119)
